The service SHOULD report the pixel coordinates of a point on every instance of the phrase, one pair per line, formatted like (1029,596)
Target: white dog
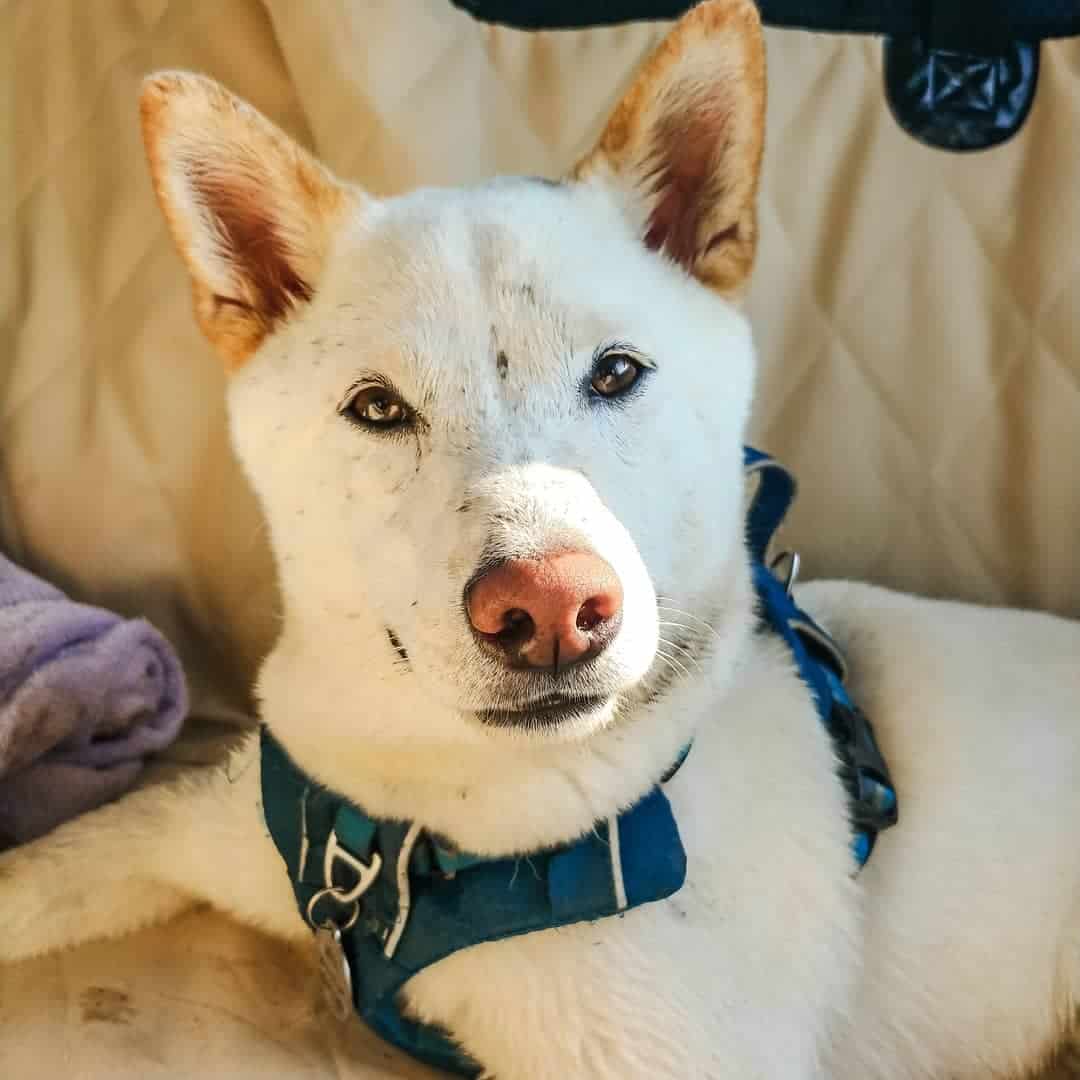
(496,433)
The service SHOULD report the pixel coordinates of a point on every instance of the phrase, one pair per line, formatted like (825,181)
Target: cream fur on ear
(250,211)
(684,145)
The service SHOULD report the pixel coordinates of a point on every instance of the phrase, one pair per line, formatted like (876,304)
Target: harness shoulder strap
(871,794)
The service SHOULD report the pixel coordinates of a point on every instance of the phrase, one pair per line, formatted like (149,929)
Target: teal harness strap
(402,901)
(449,901)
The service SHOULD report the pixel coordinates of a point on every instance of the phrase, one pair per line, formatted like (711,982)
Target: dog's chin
(573,717)
(556,718)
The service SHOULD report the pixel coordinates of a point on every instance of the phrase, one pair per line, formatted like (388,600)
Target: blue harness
(388,900)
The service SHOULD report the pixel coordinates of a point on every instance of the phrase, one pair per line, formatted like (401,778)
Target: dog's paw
(61,891)
(23,903)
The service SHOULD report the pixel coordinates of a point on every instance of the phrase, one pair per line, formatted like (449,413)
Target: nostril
(548,612)
(599,608)
(517,628)
(592,614)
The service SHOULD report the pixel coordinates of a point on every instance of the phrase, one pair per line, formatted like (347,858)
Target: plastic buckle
(873,797)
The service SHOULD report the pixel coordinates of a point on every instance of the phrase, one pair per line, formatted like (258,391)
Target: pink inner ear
(686,180)
(252,241)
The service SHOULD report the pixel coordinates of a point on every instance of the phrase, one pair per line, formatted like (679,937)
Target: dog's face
(496,432)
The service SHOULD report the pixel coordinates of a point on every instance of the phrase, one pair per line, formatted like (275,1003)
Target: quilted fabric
(918,317)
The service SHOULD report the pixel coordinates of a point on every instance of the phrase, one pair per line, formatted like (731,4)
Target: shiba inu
(497,434)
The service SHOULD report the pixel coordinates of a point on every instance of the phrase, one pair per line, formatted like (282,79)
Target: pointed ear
(683,147)
(249,210)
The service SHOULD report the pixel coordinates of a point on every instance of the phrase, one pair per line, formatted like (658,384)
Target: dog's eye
(378,407)
(615,372)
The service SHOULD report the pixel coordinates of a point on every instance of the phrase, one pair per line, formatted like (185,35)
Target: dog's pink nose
(549,612)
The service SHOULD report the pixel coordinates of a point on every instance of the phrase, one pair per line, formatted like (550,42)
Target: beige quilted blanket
(918,316)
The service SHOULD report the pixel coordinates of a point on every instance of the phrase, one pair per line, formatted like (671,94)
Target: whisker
(670,606)
(690,629)
(681,648)
(660,656)
(666,608)
(668,641)
(662,598)
(676,666)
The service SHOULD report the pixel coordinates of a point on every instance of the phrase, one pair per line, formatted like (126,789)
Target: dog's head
(497,431)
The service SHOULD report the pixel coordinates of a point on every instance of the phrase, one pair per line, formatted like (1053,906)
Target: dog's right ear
(682,150)
(250,211)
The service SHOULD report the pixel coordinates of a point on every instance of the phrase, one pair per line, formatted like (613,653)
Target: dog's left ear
(683,148)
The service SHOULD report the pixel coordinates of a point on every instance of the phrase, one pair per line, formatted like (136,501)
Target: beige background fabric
(917,313)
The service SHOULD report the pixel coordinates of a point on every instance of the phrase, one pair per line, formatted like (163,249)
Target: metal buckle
(366,876)
(329,924)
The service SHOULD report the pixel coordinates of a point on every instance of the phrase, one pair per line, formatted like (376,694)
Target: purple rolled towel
(85,696)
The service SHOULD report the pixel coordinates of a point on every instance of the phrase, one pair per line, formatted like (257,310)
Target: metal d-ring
(366,874)
(338,896)
(794,563)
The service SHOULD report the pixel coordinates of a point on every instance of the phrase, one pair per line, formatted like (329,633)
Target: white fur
(955,954)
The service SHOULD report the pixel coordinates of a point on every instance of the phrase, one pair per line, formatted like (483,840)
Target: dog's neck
(490,794)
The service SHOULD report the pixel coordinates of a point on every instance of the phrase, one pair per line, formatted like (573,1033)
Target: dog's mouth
(677,656)
(553,710)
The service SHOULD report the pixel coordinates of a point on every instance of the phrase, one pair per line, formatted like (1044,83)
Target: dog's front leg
(143,859)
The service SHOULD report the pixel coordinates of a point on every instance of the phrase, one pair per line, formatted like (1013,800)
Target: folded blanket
(85,695)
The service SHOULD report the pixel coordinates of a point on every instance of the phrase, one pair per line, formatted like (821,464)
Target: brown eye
(378,407)
(614,374)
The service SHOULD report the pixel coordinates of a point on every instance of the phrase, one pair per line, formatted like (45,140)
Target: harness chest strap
(423,902)
(389,900)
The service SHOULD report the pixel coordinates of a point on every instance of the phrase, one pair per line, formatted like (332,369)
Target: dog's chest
(764,823)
